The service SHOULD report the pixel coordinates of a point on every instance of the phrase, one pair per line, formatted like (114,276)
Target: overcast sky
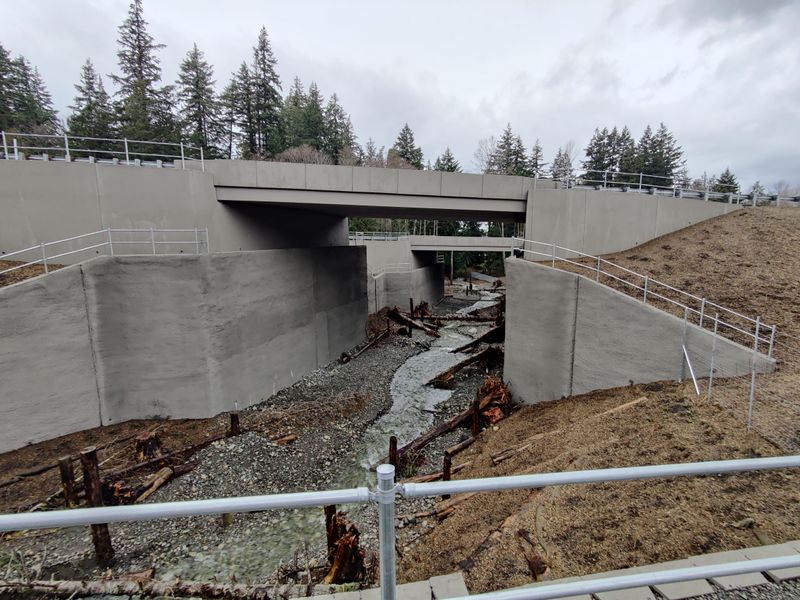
(724,75)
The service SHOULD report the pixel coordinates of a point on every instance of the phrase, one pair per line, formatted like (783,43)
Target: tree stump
(148,445)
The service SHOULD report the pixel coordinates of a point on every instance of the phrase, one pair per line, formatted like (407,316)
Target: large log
(398,317)
(495,334)
(443,378)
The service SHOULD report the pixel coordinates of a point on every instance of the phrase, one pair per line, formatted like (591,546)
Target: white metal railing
(69,148)
(761,335)
(370,236)
(403,267)
(144,241)
(385,496)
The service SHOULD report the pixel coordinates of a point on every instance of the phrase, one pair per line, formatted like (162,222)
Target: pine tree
(405,148)
(562,165)
(314,119)
(92,111)
(758,190)
(727,183)
(447,162)
(625,157)
(599,156)
(267,100)
(339,140)
(667,156)
(31,106)
(292,114)
(372,156)
(240,108)
(145,110)
(6,76)
(199,108)
(536,162)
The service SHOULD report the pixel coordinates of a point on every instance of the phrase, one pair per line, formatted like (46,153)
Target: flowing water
(410,415)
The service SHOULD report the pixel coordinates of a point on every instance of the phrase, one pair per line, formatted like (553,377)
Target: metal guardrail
(762,335)
(385,497)
(85,149)
(152,239)
(391,268)
(380,236)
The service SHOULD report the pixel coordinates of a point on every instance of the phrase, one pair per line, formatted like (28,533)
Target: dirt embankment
(743,261)
(21,273)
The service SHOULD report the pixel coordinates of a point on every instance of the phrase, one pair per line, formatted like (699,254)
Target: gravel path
(789,590)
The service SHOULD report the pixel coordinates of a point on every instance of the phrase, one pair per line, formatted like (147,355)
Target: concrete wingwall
(46,201)
(572,335)
(124,338)
(425,284)
(600,222)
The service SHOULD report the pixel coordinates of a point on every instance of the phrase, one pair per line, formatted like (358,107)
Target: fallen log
(398,317)
(282,440)
(443,378)
(168,455)
(345,554)
(147,445)
(437,475)
(465,317)
(495,334)
(453,450)
(346,358)
(159,479)
(133,587)
(444,509)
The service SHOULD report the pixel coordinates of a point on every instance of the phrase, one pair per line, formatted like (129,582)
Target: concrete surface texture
(191,336)
(571,335)
(600,222)
(46,201)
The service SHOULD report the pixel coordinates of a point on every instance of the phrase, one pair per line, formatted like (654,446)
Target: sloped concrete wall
(568,335)
(181,337)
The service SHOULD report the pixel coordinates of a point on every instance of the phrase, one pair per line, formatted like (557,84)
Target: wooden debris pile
(495,400)
(345,555)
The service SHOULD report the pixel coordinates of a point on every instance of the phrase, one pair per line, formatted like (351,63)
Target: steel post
(554,254)
(713,355)
(771,342)
(5,146)
(16,149)
(597,273)
(183,158)
(702,311)
(683,342)
(153,240)
(127,155)
(386,497)
(640,182)
(755,338)
(752,396)
(646,282)
(66,148)
(196,241)
(110,242)
(44,259)
(202,161)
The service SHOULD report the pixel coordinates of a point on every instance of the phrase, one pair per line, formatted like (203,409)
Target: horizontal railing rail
(693,307)
(383,236)
(385,496)
(152,239)
(69,148)
(391,268)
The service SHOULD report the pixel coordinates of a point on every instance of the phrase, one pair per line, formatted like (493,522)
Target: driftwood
(148,445)
(445,509)
(398,317)
(495,334)
(444,378)
(437,475)
(535,561)
(453,450)
(282,440)
(345,555)
(155,482)
(346,358)
(136,587)
(174,453)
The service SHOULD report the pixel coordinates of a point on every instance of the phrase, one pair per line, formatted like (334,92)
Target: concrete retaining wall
(571,335)
(46,201)
(394,289)
(182,337)
(597,222)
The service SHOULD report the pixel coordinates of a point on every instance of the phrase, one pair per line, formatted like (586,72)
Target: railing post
(554,254)
(208,244)
(597,274)
(196,241)
(66,149)
(605,179)
(646,283)
(755,338)
(771,342)
(752,395)
(640,182)
(683,342)
(16,149)
(127,156)
(713,355)
(153,240)
(183,158)
(5,146)
(702,311)
(110,242)
(44,259)
(202,161)
(386,533)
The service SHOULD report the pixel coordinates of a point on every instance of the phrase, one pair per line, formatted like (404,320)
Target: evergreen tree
(6,76)
(339,140)
(292,114)
(625,157)
(240,108)
(536,162)
(372,156)
(31,106)
(314,118)
(404,148)
(599,156)
(228,117)
(92,111)
(562,165)
(501,161)
(758,189)
(447,162)
(199,108)
(645,150)
(666,158)
(145,110)
(267,101)
(727,183)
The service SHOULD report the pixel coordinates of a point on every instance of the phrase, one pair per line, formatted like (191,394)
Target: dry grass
(21,274)
(744,261)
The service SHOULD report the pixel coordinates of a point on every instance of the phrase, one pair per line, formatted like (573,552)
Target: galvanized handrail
(762,335)
(13,150)
(385,496)
(199,241)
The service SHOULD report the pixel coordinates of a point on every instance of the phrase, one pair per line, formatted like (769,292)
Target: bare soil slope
(744,261)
